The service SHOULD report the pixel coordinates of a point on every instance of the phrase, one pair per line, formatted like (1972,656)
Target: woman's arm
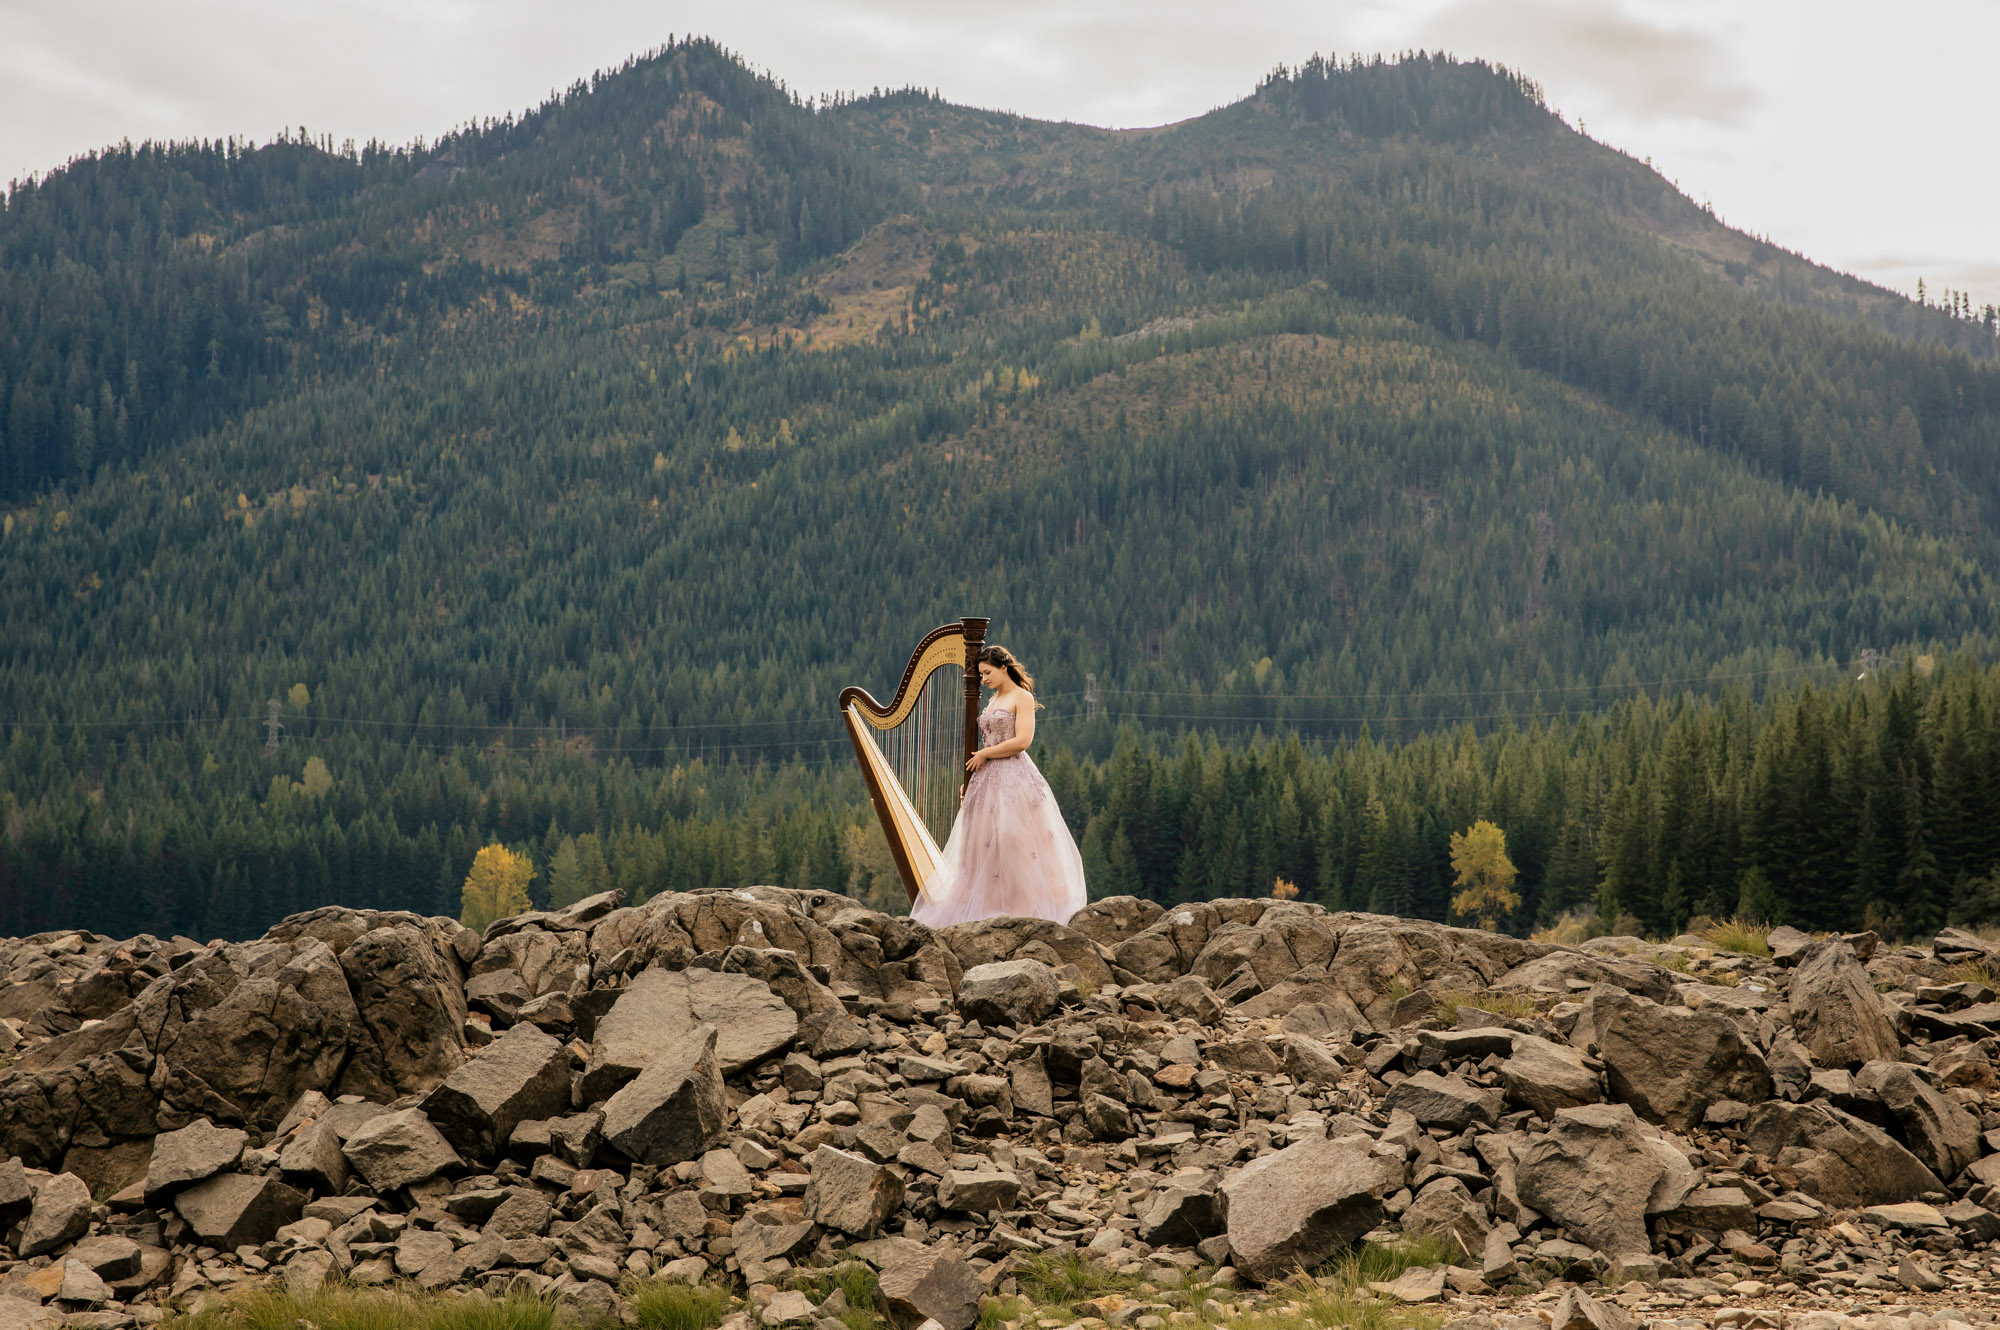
(1024,734)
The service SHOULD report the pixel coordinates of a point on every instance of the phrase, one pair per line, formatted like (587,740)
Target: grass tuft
(1739,935)
(666,1304)
(1572,930)
(1970,972)
(1340,1295)
(343,1307)
(1062,1279)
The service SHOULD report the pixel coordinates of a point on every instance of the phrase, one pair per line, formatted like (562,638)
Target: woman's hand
(975,762)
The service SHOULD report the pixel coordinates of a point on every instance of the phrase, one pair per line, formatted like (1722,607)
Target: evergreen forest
(1370,456)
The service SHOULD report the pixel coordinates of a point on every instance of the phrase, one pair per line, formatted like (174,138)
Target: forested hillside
(547,482)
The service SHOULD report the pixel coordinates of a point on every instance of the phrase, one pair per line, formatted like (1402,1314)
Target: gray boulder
(1018,993)
(930,1285)
(396,1149)
(1443,1101)
(522,1075)
(674,1109)
(1836,1012)
(1182,1212)
(199,1150)
(662,1008)
(232,1210)
(850,1193)
(1669,1063)
(1845,1161)
(1299,1205)
(1937,1130)
(1597,1174)
(60,1214)
(1547,1077)
(314,1157)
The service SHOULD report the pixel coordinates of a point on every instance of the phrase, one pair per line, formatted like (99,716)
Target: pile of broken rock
(733,1084)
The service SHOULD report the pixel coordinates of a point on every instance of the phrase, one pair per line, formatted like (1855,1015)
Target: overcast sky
(1858,133)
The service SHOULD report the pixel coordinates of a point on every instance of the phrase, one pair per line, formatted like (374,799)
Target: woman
(1009,851)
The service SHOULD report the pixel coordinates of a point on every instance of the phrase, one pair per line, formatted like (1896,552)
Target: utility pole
(273,727)
(1093,700)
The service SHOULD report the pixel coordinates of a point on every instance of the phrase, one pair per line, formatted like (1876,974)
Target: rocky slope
(737,1084)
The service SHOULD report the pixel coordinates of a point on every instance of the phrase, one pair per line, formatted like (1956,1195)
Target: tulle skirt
(1009,853)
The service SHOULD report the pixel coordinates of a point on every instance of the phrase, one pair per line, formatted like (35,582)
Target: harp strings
(927,750)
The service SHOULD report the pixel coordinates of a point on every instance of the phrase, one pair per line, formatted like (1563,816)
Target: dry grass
(1741,936)
(1970,972)
(665,1304)
(1572,930)
(342,1307)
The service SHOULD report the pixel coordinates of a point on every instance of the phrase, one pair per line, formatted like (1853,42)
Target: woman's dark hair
(1001,658)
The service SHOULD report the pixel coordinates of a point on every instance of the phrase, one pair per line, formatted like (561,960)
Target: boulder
(1547,1077)
(232,1210)
(1443,1101)
(1937,1131)
(1299,1205)
(978,1191)
(1594,1172)
(1183,1211)
(1836,1012)
(1110,921)
(1843,1161)
(314,1157)
(1446,1208)
(1787,945)
(930,1286)
(662,1008)
(60,1214)
(522,1075)
(199,1150)
(396,1149)
(674,1109)
(406,987)
(1669,1063)
(1010,937)
(1016,993)
(850,1193)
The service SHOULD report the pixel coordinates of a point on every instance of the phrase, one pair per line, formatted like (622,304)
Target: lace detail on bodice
(996,726)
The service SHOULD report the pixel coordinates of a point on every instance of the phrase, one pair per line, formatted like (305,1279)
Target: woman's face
(990,674)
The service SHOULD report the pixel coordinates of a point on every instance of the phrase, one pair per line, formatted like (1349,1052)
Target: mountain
(544,480)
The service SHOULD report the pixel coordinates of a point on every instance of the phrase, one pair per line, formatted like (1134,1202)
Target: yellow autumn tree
(496,887)
(1484,874)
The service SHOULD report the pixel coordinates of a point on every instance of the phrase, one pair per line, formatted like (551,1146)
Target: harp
(913,750)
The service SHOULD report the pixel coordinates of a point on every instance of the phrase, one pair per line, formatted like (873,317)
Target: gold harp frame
(910,842)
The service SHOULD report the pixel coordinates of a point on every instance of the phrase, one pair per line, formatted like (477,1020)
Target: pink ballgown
(1010,852)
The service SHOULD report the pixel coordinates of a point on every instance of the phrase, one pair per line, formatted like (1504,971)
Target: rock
(1010,937)
(1446,1208)
(521,1076)
(314,1156)
(1849,1162)
(499,993)
(1443,1101)
(61,1212)
(108,1256)
(1787,944)
(522,1215)
(758,1242)
(1938,1131)
(932,1285)
(1422,1284)
(1918,1278)
(199,1150)
(1717,1210)
(411,1012)
(1307,1062)
(17,1193)
(662,1008)
(1577,1310)
(1014,993)
(81,1284)
(396,1149)
(1594,1173)
(1836,1012)
(1497,1265)
(978,1193)
(850,1193)
(1110,921)
(1669,1063)
(674,1109)
(1190,998)
(1299,1205)
(1908,1215)
(233,1210)
(1182,1212)
(1547,1077)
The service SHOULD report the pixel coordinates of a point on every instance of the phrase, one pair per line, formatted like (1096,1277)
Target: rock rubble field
(740,1087)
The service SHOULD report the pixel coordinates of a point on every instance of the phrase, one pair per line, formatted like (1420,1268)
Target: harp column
(975,638)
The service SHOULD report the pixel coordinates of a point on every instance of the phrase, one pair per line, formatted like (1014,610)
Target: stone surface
(1017,992)
(60,1213)
(522,1075)
(1301,1204)
(1939,1132)
(1836,1012)
(199,1150)
(1443,1101)
(1548,1077)
(231,1210)
(662,1008)
(674,1109)
(1850,1162)
(850,1193)
(1669,1063)
(396,1149)
(931,1285)
(1594,1173)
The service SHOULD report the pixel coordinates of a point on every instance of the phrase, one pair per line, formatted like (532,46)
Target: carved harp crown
(913,751)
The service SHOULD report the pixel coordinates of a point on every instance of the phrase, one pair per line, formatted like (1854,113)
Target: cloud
(1635,67)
